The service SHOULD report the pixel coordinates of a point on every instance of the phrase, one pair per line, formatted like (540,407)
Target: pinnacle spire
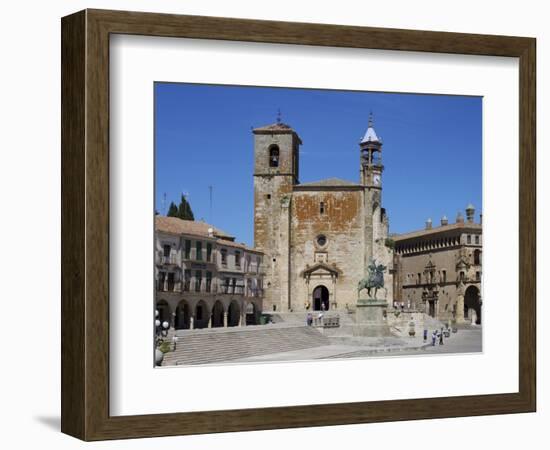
(370,135)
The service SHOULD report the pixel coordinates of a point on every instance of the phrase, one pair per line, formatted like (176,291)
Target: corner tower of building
(276,171)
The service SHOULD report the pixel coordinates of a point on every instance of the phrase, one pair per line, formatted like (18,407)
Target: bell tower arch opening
(274,156)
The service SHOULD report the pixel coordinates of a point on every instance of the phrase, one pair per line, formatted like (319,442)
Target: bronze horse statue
(374,280)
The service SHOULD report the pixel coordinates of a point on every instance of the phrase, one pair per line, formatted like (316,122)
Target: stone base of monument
(369,318)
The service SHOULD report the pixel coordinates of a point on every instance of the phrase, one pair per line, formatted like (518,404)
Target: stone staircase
(214,345)
(299,318)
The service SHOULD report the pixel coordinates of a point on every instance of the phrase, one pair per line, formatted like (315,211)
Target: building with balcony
(203,277)
(438,270)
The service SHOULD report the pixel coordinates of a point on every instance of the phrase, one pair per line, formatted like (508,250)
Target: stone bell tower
(375,220)
(371,179)
(276,169)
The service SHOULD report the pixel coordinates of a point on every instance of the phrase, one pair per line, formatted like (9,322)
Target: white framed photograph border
(138,62)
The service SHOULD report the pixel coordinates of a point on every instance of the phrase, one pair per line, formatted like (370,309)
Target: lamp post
(161,331)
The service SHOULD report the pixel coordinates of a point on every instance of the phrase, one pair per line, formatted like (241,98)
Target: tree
(172,210)
(182,211)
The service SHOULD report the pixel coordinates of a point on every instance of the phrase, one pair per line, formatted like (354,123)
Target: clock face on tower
(376,180)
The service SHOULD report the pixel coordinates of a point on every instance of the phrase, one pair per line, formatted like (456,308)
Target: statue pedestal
(369,318)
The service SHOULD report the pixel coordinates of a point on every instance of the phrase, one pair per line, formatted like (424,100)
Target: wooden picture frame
(85,224)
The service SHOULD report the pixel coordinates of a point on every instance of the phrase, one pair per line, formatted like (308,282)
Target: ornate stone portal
(369,316)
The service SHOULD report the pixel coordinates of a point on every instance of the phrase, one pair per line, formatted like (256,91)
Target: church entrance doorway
(320,299)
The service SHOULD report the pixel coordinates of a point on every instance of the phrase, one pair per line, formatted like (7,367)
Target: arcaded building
(318,237)
(204,279)
(438,270)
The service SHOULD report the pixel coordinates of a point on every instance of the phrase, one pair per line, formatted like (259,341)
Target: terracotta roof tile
(175,225)
(330,182)
(178,226)
(279,126)
(436,230)
(234,244)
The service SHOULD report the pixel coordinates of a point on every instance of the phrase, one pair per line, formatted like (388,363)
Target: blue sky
(432,148)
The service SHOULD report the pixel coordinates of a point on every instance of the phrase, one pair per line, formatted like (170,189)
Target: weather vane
(279,115)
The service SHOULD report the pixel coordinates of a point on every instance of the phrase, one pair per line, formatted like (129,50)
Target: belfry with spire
(376,222)
(371,156)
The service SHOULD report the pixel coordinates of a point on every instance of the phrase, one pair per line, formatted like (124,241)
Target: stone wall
(451,289)
(342,225)
(272,192)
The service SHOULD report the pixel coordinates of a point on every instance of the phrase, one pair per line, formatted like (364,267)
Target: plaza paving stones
(285,342)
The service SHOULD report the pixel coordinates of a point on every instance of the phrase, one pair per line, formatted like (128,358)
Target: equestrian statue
(374,279)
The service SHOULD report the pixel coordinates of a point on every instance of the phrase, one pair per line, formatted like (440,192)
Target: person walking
(425,334)
(434,337)
(441,336)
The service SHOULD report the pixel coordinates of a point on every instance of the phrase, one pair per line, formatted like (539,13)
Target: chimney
(470,211)
(481,219)
(459,217)
(444,221)
(429,224)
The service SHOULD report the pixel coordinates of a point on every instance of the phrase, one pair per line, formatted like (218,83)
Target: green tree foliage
(183,210)
(172,210)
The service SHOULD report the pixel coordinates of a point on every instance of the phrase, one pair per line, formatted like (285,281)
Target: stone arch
(217,314)
(183,315)
(320,297)
(201,316)
(165,313)
(472,304)
(274,156)
(251,314)
(233,314)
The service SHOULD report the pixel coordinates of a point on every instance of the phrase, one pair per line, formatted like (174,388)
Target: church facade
(318,238)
